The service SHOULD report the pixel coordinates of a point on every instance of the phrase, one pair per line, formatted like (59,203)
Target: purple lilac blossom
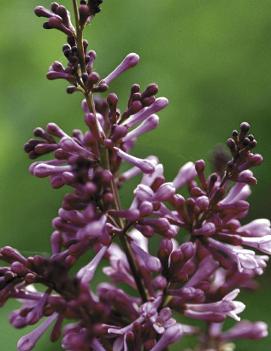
(197,275)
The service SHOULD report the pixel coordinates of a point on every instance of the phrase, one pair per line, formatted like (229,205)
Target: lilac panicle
(206,253)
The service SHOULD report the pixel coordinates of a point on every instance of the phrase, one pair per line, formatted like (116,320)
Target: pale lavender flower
(185,175)
(86,273)
(171,335)
(256,228)
(217,311)
(28,342)
(129,61)
(246,330)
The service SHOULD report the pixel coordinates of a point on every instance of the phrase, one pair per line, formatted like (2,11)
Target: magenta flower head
(181,248)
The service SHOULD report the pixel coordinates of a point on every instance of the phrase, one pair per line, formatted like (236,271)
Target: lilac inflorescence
(205,254)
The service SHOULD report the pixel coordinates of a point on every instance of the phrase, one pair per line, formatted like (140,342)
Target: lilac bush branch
(198,275)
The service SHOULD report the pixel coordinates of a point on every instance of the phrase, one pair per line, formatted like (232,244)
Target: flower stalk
(105,162)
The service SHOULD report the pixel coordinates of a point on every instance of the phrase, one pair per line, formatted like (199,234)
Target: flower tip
(25,344)
(232,295)
(162,102)
(154,120)
(32,167)
(132,59)
(200,165)
(245,127)
(37,10)
(40,170)
(147,167)
(41,11)
(262,329)
(66,143)
(128,62)
(154,264)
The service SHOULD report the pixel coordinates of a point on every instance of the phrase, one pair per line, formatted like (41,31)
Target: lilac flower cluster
(205,254)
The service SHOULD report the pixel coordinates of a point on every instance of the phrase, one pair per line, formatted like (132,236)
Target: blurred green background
(211,58)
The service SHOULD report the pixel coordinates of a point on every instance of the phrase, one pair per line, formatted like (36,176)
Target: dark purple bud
(151,89)
(94,6)
(52,75)
(71,89)
(9,254)
(106,176)
(176,257)
(159,282)
(64,14)
(112,100)
(135,97)
(56,22)
(244,128)
(93,78)
(30,278)
(232,145)
(146,230)
(196,192)
(211,181)
(57,329)
(92,122)
(41,11)
(55,130)
(100,88)
(119,132)
(54,6)
(18,268)
(188,250)
(135,88)
(134,107)
(42,149)
(148,101)
(84,14)
(165,250)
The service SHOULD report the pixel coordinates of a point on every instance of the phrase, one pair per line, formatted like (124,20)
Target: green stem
(105,158)
(79,37)
(123,238)
(127,249)
(91,106)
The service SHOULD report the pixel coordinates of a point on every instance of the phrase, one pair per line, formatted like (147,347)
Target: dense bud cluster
(204,254)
